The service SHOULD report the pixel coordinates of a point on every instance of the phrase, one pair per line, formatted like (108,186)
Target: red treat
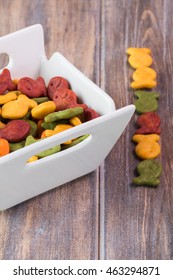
(65,98)
(149,123)
(90,114)
(6,82)
(32,88)
(56,83)
(15,131)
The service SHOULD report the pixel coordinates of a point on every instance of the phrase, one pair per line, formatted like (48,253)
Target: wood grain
(138,220)
(100,215)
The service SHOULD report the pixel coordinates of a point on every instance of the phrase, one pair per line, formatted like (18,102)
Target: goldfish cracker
(6,82)
(146,102)
(149,171)
(140,60)
(32,88)
(15,109)
(31,103)
(145,73)
(15,131)
(147,147)
(132,51)
(10,96)
(43,109)
(149,123)
(143,83)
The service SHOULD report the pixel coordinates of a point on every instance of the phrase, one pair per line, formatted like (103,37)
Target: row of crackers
(147,135)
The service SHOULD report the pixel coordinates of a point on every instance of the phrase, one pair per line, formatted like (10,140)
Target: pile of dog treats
(148,121)
(31,111)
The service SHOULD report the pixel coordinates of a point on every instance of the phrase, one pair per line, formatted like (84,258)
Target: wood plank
(62,223)
(137,220)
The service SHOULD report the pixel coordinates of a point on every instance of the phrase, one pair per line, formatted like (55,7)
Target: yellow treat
(144,73)
(10,96)
(61,127)
(43,109)
(75,121)
(140,60)
(0,111)
(143,83)
(131,51)
(147,147)
(16,109)
(33,158)
(48,132)
(31,103)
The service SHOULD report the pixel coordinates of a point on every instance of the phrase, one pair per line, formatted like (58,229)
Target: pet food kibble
(65,114)
(10,96)
(146,102)
(149,171)
(32,88)
(4,147)
(43,109)
(143,84)
(149,123)
(65,98)
(15,131)
(75,121)
(147,147)
(90,114)
(31,103)
(15,109)
(137,60)
(145,73)
(132,51)
(6,82)
(55,83)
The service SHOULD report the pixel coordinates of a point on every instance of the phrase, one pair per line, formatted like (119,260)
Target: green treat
(52,125)
(16,146)
(30,140)
(33,129)
(65,114)
(149,171)
(76,141)
(146,102)
(40,100)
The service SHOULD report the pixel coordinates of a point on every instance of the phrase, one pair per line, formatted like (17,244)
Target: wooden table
(100,215)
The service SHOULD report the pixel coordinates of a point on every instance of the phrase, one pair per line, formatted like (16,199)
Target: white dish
(21,180)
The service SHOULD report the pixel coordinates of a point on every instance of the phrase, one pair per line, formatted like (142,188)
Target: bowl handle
(25,49)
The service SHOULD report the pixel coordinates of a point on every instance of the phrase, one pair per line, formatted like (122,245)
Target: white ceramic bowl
(21,180)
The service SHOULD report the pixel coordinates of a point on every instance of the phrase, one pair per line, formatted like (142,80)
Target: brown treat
(65,98)
(90,114)
(32,88)
(6,82)
(56,83)
(149,123)
(15,131)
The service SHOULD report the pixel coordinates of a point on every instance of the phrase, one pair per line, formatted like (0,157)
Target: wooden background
(101,215)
